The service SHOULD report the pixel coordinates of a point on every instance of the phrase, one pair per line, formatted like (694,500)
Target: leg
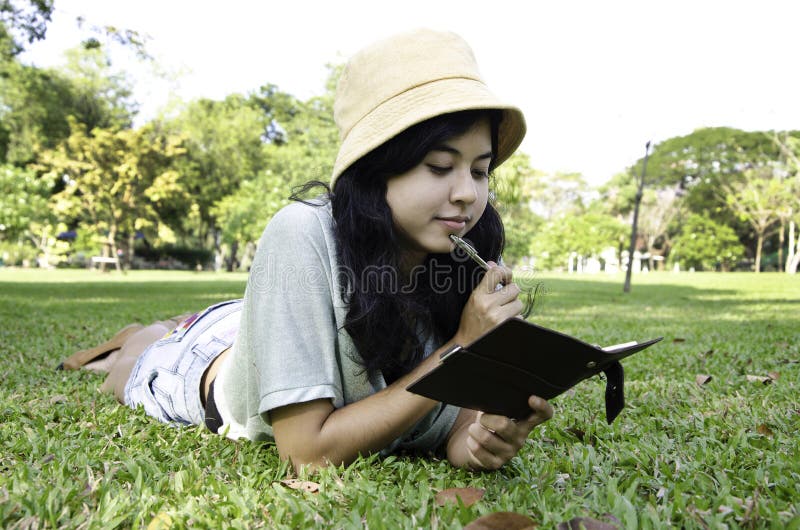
(136,344)
(81,358)
(101,357)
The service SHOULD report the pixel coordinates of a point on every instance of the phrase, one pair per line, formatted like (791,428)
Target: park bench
(103,259)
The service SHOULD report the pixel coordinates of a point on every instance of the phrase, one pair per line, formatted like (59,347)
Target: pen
(472,253)
(470,250)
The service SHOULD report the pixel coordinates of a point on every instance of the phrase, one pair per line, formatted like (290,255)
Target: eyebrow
(448,149)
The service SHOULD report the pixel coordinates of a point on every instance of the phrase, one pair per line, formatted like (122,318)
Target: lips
(456,222)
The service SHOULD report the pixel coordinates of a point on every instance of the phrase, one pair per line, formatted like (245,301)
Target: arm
(316,433)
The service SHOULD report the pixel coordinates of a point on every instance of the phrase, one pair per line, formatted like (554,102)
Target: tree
(24,211)
(706,245)
(701,161)
(114,180)
(300,145)
(789,145)
(510,185)
(759,199)
(102,96)
(304,150)
(659,209)
(22,22)
(555,194)
(225,145)
(584,235)
(34,105)
(36,102)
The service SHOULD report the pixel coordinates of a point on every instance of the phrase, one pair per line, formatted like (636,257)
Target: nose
(463,188)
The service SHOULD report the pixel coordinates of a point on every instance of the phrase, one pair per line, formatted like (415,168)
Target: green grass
(720,455)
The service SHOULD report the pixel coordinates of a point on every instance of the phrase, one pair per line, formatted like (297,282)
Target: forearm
(340,435)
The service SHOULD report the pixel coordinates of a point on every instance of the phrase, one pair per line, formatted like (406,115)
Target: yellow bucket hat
(398,82)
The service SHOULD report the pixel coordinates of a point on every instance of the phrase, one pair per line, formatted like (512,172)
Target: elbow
(310,461)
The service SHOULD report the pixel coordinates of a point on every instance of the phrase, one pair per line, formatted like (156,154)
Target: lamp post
(637,202)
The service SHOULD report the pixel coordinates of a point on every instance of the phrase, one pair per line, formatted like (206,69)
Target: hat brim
(424,102)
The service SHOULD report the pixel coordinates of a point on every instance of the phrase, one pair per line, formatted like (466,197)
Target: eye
(439,170)
(480,173)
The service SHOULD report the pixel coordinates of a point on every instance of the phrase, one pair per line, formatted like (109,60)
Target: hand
(493,440)
(487,307)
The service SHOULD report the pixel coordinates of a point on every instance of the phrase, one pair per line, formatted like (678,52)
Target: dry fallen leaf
(702,379)
(468,496)
(587,523)
(58,398)
(764,430)
(774,375)
(763,379)
(502,521)
(678,339)
(297,484)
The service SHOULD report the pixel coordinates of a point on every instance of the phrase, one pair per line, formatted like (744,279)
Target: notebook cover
(500,370)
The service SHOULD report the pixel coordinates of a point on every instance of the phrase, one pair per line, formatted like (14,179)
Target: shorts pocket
(161,391)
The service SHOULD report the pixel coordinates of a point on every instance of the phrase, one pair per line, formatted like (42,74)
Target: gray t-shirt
(291,347)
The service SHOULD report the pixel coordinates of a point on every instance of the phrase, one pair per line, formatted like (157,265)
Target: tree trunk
(759,244)
(780,245)
(232,262)
(793,256)
(131,242)
(219,259)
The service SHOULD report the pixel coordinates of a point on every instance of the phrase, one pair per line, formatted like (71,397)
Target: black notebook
(500,370)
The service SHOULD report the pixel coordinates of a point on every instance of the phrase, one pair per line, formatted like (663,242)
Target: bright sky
(595,78)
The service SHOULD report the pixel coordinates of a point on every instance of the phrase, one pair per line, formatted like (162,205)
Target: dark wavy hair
(390,318)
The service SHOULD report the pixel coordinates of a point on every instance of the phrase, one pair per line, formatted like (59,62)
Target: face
(445,194)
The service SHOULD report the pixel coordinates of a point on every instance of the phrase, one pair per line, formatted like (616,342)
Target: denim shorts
(166,377)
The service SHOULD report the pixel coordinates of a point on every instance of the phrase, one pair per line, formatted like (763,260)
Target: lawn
(682,454)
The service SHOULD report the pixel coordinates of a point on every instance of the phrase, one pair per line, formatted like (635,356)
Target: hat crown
(395,65)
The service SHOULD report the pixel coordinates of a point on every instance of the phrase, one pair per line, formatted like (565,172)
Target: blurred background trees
(195,186)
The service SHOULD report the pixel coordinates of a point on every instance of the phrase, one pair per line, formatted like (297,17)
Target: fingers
(511,430)
(496,274)
(485,450)
(494,440)
(542,411)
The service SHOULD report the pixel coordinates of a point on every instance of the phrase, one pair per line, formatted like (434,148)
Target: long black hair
(390,317)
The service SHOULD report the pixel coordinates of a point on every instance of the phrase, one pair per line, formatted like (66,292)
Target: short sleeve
(288,322)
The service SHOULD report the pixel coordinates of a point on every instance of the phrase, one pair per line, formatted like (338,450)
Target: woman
(355,294)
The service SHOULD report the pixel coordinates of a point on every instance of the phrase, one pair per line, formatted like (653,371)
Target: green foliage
(304,149)
(36,103)
(512,199)
(586,235)
(34,107)
(225,145)
(706,245)
(115,180)
(703,160)
(23,201)
(22,22)
(102,96)
(680,455)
